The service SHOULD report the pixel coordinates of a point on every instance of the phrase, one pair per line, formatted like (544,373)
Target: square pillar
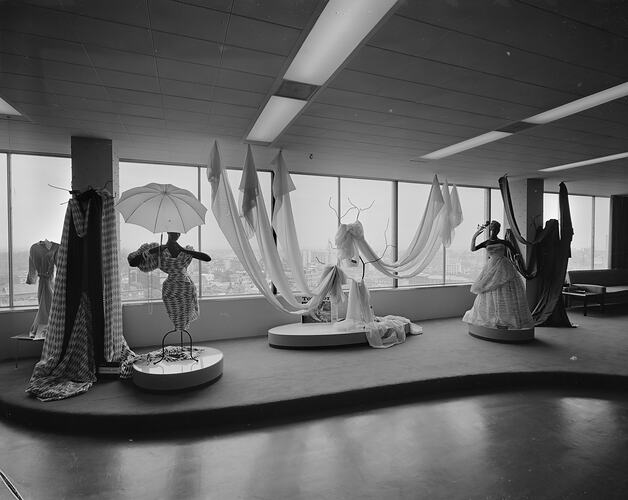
(95,164)
(527,202)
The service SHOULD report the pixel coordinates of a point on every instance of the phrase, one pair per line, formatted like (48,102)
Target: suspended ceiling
(163,78)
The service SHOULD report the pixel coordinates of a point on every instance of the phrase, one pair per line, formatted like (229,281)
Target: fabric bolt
(41,263)
(501,300)
(178,291)
(85,326)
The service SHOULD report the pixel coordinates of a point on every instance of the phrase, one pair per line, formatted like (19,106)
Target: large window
(601,229)
(4,234)
(135,284)
(411,201)
(374,199)
(463,266)
(224,275)
(38,211)
(316,223)
(589,247)
(31,178)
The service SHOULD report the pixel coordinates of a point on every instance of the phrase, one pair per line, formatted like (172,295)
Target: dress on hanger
(41,264)
(501,301)
(178,290)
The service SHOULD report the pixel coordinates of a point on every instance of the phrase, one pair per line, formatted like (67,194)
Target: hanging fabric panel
(283,222)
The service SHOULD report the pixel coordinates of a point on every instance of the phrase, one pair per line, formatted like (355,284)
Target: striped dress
(178,291)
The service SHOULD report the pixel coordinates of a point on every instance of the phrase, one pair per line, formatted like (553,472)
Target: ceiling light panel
(468,144)
(7,109)
(276,115)
(340,28)
(579,105)
(583,163)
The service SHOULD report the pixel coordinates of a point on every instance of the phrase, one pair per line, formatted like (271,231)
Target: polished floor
(537,444)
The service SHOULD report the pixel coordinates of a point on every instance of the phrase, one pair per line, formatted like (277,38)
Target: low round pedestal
(501,334)
(179,374)
(311,335)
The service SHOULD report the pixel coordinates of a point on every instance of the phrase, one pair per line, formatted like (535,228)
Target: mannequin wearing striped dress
(178,290)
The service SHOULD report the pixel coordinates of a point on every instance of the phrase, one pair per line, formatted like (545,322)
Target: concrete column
(527,202)
(95,164)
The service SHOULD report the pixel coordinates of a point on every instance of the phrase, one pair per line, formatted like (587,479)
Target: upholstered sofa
(610,285)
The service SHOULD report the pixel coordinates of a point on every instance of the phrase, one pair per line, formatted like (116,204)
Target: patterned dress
(178,290)
(501,301)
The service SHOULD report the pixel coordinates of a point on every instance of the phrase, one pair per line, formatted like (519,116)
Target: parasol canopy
(161,208)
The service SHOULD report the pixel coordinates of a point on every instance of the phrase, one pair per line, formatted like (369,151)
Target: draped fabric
(85,326)
(553,257)
(283,222)
(231,224)
(548,257)
(442,215)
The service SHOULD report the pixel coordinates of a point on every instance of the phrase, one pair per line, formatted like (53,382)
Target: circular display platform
(501,334)
(303,335)
(179,374)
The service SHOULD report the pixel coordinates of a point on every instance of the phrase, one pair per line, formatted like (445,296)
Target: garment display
(41,264)
(381,332)
(548,257)
(178,290)
(442,215)
(85,326)
(501,300)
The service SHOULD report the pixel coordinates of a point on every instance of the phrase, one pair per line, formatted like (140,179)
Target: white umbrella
(161,208)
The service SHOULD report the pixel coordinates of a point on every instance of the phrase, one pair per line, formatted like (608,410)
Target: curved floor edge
(228,418)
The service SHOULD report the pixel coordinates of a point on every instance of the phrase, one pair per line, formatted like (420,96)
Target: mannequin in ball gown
(41,264)
(178,290)
(501,301)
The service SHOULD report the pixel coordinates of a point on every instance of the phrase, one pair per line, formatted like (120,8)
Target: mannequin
(41,263)
(501,302)
(178,290)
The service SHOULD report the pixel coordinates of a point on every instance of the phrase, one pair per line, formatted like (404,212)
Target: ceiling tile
(130,62)
(531,29)
(185,89)
(113,35)
(185,71)
(185,104)
(129,81)
(47,69)
(188,20)
(261,36)
(251,61)
(224,5)
(284,12)
(122,11)
(43,48)
(23,18)
(233,96)
(237,110)
(183,48)
(134,97)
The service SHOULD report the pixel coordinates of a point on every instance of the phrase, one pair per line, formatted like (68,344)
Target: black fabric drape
(548,255)
(84,275)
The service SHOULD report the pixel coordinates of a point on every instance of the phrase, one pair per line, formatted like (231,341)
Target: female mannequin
(501,302)
(178,290)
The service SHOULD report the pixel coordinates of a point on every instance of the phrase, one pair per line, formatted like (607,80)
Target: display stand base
(180,374)
(501,334)
(312,335)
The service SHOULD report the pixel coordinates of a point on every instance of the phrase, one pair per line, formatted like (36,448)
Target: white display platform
(302,335)
(180,374)
(501,334)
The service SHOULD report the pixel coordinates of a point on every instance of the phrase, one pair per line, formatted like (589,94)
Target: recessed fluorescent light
(278,112)
(7,109)
(340,28)
(468,144)
(592,161)
(580,104)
